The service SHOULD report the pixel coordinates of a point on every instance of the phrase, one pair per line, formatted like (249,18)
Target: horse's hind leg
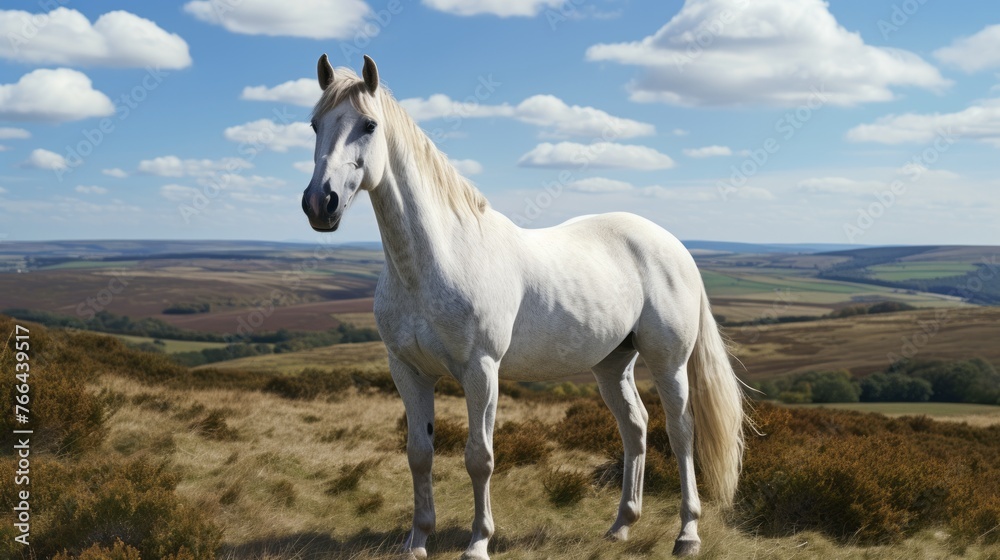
(615,377)
(670,377)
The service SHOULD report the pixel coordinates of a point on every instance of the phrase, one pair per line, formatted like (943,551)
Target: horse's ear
(370,74)
(324,71)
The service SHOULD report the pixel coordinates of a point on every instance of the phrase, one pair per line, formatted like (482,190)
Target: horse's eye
(370,126)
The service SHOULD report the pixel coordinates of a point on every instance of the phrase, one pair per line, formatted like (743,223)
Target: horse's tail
(717,406)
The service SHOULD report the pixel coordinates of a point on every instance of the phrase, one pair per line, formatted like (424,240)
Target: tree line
(963,381)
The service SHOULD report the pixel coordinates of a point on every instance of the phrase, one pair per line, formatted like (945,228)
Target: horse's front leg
(417,392)
(480,382)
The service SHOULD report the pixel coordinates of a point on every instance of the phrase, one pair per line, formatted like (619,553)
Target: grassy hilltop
(229,463)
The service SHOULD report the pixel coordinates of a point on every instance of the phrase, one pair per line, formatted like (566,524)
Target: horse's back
(590,282)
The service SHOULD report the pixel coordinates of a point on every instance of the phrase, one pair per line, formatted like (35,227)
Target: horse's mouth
(331,228)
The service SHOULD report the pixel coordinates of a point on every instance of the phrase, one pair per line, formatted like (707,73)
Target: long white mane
(407,142)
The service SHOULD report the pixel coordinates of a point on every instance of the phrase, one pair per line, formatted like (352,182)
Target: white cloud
(115,172)
(7,133)
(305,166)
(3,190)
(304,92)
(501,8)
(980,121)
(595,185)
(178,193)
(236,182)
(57,95)
(548,112)
(313,19)
(173,166)
(772,52)
(678,194)
(467,166)
(754,193)
(838,185)
(708,151)
(44,159)
(557,119)
(440,105)
(64,36)
(90,189)
(597,155)
(915,171)
(680,132)
(977,52)
(3,148)
(267,134)
(258,198)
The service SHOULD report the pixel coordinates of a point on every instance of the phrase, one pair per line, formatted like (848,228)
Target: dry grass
(270,493)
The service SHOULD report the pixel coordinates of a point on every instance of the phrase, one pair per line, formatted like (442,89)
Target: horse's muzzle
(323,209)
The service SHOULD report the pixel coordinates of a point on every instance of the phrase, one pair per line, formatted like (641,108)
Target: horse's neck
(418,231)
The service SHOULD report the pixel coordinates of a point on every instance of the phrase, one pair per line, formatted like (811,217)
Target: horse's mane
(405,138)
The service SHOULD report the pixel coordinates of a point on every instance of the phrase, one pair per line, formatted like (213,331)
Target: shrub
(895,387)
(118,551)
(214,426)
(831,471)
(187,308)
(972,381)
(65,416)
(309,384)
(369,503)
(350,476)
(565,488)
(834,387)
(231,494)
(88,505)
(283,492)
(517,444)
(589,426)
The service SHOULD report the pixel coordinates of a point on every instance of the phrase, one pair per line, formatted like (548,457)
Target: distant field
(862,344)
(173,346)
(362,354)
(764,292)
(294,287)
(911,409)
(920,270)
(82,265)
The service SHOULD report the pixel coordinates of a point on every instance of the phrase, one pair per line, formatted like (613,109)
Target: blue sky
(872,122)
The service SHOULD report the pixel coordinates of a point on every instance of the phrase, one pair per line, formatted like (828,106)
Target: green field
(788,294)
(173,346)
(911,409)
(896,272)
(84,265)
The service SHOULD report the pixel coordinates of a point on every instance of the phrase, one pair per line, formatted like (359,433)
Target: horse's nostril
(332,203)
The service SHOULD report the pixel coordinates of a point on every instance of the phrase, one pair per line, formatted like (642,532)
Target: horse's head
(351,151)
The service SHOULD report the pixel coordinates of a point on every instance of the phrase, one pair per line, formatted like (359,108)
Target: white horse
(467,293)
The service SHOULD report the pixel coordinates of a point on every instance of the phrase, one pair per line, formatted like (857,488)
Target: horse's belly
(557,348)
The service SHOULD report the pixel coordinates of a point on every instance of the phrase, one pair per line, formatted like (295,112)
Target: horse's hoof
(414,554)
(474,555)
(619,534)
(686,548)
